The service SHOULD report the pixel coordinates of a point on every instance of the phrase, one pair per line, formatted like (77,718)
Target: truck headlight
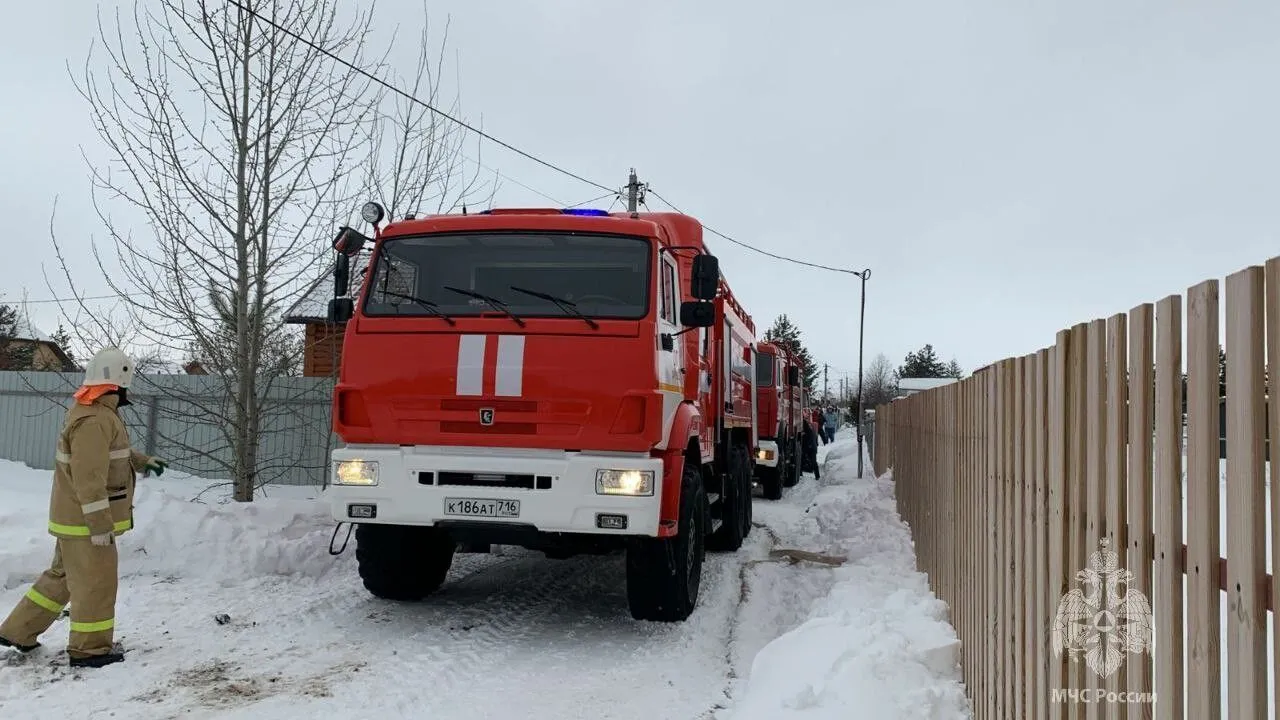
(764,455)
(624,482)
(355,472)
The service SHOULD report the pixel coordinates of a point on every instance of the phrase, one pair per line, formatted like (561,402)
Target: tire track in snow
(588,658)
(466,629)
(770,602)
(739,613)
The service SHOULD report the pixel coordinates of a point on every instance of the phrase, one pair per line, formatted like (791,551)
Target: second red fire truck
(781,407)
(571,381)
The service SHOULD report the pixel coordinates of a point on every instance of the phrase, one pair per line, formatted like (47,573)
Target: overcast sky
(1005,169)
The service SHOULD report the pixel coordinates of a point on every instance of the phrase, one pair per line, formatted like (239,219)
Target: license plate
(482,507)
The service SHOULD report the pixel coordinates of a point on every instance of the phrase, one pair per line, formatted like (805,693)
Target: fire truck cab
(570,381)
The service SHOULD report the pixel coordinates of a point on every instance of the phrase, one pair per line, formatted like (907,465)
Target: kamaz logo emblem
(486,416)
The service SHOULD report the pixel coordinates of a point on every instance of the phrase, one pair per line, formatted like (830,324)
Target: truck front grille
(495,480)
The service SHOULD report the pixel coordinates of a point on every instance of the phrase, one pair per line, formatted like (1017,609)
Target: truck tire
(664,574)
(735,507)
(771,481)
(403,562)
(795,464)
(748,493)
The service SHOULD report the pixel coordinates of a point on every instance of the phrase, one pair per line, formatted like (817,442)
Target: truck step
(716,523)
(713,498)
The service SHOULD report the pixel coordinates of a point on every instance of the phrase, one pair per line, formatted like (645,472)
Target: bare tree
(878,383)
(417,162)
(92,324)
(232,142)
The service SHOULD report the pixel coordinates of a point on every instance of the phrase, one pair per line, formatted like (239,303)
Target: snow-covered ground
(877,644)
(511,634)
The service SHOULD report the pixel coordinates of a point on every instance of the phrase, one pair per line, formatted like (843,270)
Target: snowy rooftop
(313,306)
(24,330)
(918,384)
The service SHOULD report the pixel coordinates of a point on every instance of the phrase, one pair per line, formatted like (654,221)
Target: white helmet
(109,367)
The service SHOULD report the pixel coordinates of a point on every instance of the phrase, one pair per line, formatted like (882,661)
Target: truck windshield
(598,276)
(764,369)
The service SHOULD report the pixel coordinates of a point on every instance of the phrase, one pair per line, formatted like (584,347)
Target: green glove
(155,465)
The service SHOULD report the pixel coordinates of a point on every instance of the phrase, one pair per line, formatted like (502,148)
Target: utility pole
(635,192)
(862,323)
(826,396)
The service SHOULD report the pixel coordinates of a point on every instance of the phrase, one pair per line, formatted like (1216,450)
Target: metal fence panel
(179,418)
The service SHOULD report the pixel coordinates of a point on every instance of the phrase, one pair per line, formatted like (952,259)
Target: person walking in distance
(91,503)
(831,419)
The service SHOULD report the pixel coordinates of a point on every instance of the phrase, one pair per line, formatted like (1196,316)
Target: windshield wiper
(431,307)
(570,307)
(493,302)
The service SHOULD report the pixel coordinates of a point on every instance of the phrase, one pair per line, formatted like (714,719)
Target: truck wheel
(734,506)
(771,481)
(744,483)
(663,574)
(403,562)
(794,465)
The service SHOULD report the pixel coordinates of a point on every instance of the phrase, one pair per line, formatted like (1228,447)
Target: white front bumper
(767,453)
(569,505)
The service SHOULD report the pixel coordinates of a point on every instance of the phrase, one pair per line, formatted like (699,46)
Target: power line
(412,98)
(615,195)
(72,299)
(504,176)
(775,256)
(462,123)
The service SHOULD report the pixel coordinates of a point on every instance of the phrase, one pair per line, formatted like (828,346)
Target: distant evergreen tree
(953,370)
(13,355)
(924,363)
(62,339)
(786,334)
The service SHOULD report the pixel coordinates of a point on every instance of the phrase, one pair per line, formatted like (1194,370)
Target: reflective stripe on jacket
(94,473)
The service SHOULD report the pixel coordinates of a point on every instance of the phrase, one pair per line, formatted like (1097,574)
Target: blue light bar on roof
(591,212)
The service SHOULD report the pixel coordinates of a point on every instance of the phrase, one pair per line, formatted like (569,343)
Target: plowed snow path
(509,635)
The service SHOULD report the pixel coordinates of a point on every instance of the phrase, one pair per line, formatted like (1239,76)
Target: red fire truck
(570,381)
(781,403)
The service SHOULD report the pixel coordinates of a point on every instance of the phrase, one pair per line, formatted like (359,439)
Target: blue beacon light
(591,212)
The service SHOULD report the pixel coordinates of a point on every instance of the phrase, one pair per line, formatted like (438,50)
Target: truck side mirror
(341,275)
(341,310)
(697,314)
(793,376)
(704,282)
(349,242)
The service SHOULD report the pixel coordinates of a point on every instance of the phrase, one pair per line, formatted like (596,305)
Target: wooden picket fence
(1013,478)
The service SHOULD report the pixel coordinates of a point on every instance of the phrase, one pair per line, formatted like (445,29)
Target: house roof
(24,330)
(313,306)
(918,384)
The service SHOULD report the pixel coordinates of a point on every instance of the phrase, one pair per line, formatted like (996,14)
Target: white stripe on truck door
(471,365)
(510,373)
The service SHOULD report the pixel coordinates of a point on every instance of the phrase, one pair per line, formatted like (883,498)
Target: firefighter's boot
(38,608)
(4,642)
(96,661)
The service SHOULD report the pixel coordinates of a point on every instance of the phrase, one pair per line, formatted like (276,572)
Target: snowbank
(879,644)
(176,535)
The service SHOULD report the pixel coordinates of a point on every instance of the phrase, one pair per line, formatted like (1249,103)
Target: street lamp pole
(862,323)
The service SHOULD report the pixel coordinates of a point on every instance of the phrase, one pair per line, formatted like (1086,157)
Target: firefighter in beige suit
(91,503)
